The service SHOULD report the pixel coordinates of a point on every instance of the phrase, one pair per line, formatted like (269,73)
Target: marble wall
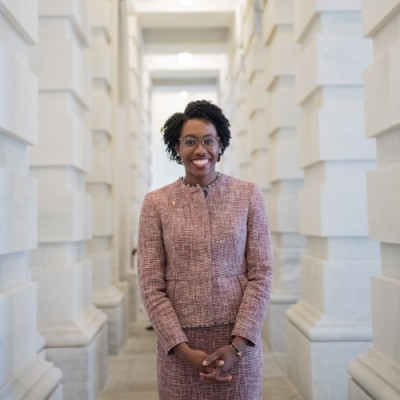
(283,168)
(326,221)
(108,293)
(24,371)
(75,330)
(332,320)
(375,373)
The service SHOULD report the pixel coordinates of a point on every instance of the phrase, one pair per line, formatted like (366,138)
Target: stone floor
(132,373)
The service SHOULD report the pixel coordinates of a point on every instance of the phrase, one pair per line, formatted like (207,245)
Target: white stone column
(75,331)
(107,295)
(130,159)
(284,173)
(24,371)
(331,323)
(375,373)
(241,138)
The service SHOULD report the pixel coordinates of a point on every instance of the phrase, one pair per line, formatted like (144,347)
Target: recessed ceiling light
(185,58)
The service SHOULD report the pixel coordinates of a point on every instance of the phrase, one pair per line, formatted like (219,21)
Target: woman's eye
(190,142)
(209,141)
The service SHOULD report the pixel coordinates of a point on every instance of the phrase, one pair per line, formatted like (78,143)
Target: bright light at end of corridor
(186,3)
(184,94)
(185,59)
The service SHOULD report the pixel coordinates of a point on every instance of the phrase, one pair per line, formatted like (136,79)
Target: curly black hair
(200,109)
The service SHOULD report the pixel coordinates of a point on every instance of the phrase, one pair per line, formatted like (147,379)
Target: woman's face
(199,148)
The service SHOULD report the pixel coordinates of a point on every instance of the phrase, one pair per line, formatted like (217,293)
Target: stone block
(255,58)
(334,133)
(316,216)
(116,316)
(102,167)
(286,286)
(84,368)
(61,62)
(18,334)
(331,59)
(376,374)
(318,369)
(355,392)
(23,17)
(326,282)
(35,380)
(249,21)
(19,99)
(64,215)
(13,268)
(102,217)
(382,99)
(281,56)
(283,210)
(69,287)
(101,14)
(259,169)
(276,13)
(386,318)
(133,28)
(64,139)
(18,212)
(306,12)
(102,269)
(73,10)
(102,112)
(383,202)
(284,162)
(282,111)
(101,61)
(274,330)
(258,129)
(377,14)
(256,98)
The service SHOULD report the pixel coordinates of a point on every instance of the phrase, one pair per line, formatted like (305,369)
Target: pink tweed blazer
(205,261)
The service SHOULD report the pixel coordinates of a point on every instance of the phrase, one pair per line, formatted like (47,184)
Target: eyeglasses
(191,142)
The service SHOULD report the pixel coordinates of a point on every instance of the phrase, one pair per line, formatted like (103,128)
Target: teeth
(200,162)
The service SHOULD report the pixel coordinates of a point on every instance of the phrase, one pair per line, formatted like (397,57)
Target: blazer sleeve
(250,317)
(151,268)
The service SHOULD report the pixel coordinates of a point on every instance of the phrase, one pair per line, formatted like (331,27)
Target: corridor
(132,373)
(311,89)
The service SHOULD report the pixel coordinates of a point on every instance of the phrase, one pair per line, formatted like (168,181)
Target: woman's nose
(200,148)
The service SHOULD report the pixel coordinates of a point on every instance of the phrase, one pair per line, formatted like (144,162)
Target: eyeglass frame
(198,141)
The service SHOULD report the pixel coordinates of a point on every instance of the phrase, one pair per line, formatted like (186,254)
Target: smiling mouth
(200,162)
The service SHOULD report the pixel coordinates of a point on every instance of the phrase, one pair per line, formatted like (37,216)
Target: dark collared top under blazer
(205,261)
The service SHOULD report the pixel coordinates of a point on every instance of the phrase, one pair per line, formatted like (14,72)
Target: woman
(205,267)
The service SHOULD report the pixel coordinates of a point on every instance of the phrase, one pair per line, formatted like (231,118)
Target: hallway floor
(132,373)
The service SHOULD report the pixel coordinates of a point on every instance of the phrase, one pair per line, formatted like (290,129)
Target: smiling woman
(205,266)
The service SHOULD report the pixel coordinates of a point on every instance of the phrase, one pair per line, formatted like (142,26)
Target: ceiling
(199,27)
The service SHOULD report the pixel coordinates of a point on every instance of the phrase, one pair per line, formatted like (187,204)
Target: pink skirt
(178,381)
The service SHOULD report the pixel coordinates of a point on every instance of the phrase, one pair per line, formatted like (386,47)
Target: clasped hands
(212,368)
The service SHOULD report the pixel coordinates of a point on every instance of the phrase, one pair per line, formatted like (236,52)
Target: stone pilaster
(24,371)
(138,146)
(331,322)
(107,295)
(284,174)
(75,331)
(375,373)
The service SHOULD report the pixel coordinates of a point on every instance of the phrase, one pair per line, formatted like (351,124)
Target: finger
(215,377)
(216,364)
(210,359)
